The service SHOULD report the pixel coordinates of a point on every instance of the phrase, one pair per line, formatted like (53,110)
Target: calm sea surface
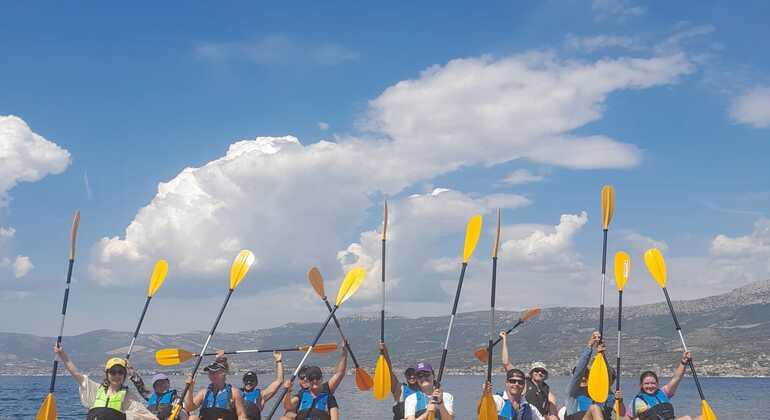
(731,398)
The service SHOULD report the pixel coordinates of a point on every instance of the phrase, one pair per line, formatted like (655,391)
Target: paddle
(47,410)
(622,268)
(487,406)
(472,232)
(348,288)
(482,353)
(653,259)
(238,271)
(363,380)
(172,357)
(598,377)
(382,372)
(156,280)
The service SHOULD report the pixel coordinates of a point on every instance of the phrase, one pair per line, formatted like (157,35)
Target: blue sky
(667,102)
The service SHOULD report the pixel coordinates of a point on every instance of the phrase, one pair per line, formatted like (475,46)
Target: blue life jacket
(313,408)
(218,404)
(398,408)
(507,412)
(161,405)
(659,407)
(584,402)
(251,400)
(422,405)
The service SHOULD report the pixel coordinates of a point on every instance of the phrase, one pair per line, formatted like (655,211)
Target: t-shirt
(133,405)
(500,401)
(410,404)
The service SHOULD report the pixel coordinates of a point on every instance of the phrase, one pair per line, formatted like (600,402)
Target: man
(428,399)
(537,393)
(316,401)
(579,405)
(511,404)
(219,400)
(254,398)
(400,390)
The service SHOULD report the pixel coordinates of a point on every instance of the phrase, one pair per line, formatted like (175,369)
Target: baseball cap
(159,377)
(423,367)
(250,376)
(215,367)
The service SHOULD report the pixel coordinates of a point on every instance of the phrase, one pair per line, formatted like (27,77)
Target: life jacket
(161,405)
(584,402)
(398,408)
(507,412)
(538,396)
(652,407)
(218,404)
(108,407)
(314,408)
(422,405)
(251,399)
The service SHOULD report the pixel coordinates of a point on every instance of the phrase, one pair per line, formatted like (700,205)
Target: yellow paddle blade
(350,284)
(240,267)
(171,357)
(158,277)
(74,235)
(529,313)
(622,268)
(472,232)
(363,380)
(656,265)
(317,281)
(599,380)
(385,222)
(482,354)
(496,246)
(381,379)
(487,407)
(47,411)
(175,411)
(608,205)
(706,412)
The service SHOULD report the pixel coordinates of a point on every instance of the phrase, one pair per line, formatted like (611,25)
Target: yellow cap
(115,361)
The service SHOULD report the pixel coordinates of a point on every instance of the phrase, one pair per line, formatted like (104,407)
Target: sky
(189,131)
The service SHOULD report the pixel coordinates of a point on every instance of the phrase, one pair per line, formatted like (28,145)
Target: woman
(219,400)
(316,401)
(109,400)
(653,403)
(255,398)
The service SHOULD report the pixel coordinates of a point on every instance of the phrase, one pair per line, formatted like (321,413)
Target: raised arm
(68,364)
(289,401)
(136,379)
(678,374)
(582,364)
(191,401)
(340,370)
(240,408)
(504,351)
(395,385)
(276,384)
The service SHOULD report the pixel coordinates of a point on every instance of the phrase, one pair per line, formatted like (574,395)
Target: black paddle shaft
(491,319)
(138,326)
(451,322)
(339,328)
(206,344)
(382,310)
(299,366)
(679,330)
(61,328)
(508,331)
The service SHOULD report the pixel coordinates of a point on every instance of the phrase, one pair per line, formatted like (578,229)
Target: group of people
(526,396)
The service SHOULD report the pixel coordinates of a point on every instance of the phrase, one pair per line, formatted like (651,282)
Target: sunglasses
(516,381)
(302,377)
(117,372)
(423,375)
(249,381)
(313,378)
(539,371)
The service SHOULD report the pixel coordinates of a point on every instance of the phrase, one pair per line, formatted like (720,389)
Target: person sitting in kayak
(160,399)
(512,404)
(254,398)
(111,399)
(579,405)
(538,393)
(219,400)
(316,401)
(419,405)
(653,403)
(400,390)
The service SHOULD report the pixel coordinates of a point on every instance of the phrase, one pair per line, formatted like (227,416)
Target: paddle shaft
(139,325)
(203,349)
(508,331)
(604,283)
(253,351)
(339,328)
(382,310)
(684,345)
(61,325)
(620,327)
(491,319)
(451,323)
(302,362)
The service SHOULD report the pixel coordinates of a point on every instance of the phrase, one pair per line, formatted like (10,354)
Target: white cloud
(7,233)
(640,243)
(547,249)
(323,125)
(752,108)
(276,49)
(742,259)
(26,156)
(599,42)
(522,176)
(22,266)
(617,9)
